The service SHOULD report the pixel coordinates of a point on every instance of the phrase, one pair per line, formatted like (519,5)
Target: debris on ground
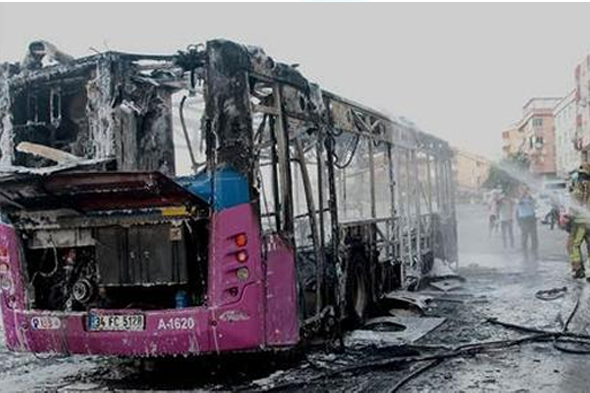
(551,294)
(408,300)
(447,284)
(393,330)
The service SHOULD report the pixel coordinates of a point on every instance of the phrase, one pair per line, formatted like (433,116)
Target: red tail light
(3,252)
(241,240)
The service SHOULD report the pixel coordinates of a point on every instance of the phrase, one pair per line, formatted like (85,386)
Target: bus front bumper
(189,331)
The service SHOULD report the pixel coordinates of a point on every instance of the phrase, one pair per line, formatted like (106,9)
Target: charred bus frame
(341,204)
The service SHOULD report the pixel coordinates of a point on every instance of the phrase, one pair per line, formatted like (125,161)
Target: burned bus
(209,201)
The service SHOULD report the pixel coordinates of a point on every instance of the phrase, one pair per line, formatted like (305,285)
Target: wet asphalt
(499,284)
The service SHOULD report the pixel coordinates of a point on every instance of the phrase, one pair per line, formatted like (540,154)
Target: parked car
(552,201)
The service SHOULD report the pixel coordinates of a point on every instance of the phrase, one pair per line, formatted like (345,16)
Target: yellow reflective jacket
(581,199)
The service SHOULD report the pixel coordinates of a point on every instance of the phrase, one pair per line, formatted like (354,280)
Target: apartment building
(567,156)
(582,104)
(538,132)
(470,171)
(512,141)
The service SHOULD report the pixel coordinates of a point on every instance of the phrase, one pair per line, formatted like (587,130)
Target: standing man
(580,220)
(493,213)
(506,217)
(527,220)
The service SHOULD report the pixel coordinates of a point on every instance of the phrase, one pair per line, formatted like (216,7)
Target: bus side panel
(282,325)
(236,290)
(12,297)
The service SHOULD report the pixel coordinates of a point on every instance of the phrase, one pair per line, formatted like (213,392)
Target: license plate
(116,323)
(45,323)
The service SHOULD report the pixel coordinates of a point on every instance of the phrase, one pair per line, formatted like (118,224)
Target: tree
(504,174)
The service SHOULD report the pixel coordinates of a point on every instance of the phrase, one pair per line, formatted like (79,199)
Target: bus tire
(358,294)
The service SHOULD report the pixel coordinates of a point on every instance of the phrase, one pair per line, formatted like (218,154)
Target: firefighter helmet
(584,169)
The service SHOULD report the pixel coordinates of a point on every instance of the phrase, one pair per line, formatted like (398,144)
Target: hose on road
(558,338)
(434,360)
(581,342)
(414,374)
(527,329)
(581,347)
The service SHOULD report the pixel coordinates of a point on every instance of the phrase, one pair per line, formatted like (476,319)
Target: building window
(537,122)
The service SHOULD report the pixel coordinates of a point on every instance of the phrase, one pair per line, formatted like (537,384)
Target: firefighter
(580,219)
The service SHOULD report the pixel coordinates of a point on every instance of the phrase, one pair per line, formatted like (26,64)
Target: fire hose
(536,335)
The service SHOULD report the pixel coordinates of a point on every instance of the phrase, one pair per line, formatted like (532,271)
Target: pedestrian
(553,216)
(580,220)
(506,217)
(492,213)
(527,221)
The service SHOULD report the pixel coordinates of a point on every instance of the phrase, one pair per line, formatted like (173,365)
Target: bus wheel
(357,292)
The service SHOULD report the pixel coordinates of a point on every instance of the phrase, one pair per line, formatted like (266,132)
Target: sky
(459,71)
